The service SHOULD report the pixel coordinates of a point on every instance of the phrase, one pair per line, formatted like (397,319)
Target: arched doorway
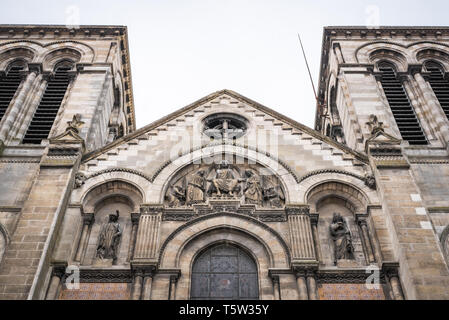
(224,272)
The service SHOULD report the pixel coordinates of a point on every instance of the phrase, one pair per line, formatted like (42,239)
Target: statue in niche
(196,188)
(224,182)
(253,189)
(176,196)
(109,238)
(341,237)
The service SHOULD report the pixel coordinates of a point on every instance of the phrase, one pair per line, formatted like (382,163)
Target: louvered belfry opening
(439,84)
(401,107)
(45,114)
(9,84)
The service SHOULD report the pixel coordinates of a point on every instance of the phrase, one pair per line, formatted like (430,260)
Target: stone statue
(196,188)
(109,238)
(273,196)
(253,189)
(341,237)
(224,181)
(80,178)
(176,196)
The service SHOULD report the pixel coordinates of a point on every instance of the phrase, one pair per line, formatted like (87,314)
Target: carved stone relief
(248,183)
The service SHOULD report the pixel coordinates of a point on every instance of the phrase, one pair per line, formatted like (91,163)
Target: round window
(225,126)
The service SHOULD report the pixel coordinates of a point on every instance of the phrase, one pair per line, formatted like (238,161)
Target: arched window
(439,84)
(9,83)
(49,105)
(224,272)
(400,105)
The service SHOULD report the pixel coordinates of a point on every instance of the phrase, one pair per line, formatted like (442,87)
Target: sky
(184,50)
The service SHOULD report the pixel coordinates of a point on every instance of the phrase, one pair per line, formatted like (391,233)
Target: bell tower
(384,92)
(63,92)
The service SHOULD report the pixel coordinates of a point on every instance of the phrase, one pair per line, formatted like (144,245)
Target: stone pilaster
(147,241)
(301,238)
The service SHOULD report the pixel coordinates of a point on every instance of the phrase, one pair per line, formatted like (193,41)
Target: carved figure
(224,181)
(341,237)
(109,238)
(176,197)
(196,188)
(253,190)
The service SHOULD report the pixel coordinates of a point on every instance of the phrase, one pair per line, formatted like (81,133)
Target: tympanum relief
(249,183)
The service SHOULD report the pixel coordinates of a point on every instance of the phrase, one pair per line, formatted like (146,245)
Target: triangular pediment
(221,100)
(380,137)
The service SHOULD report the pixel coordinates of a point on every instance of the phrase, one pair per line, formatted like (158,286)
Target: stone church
(224,198)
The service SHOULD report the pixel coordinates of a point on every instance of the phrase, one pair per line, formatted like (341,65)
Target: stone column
(311,285)
(366,238)
(276,287)
(302,285)
(57,275)
(396,288)
(132,243)
(88,220)
(17,105)
(26,117)
(137,285)
(391,270)
(147,284)
(418,108)
(172,292)
(316,240)
(434,106)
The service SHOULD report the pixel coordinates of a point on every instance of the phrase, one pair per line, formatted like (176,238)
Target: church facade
(224,198)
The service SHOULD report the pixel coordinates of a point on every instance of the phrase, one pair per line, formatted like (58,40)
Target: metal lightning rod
(308,69)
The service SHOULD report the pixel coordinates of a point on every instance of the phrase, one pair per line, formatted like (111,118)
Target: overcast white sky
(184,50)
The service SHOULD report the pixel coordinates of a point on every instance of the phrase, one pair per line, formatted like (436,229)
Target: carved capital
(415,68)
(305,268)
(391,269)
(88,218)
(314,217)
(361,218)
(297,209)
(152,209)
(59,268)
(135,217)
(35,67)
(143,270)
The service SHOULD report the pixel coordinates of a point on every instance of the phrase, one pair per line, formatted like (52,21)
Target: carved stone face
(113,218)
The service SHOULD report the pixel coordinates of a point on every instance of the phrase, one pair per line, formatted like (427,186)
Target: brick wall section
(23,254)
(423,271)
